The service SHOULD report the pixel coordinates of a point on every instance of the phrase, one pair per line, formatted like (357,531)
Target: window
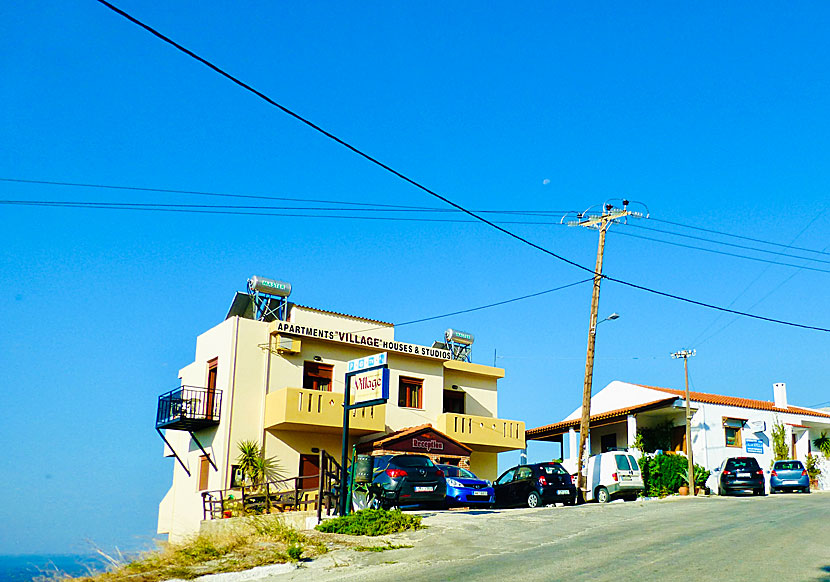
(634,466)
(523,473)
(732,431)
(622,463)
(204,471)
(410,392)
(317,376)
(454,401)
(506,478)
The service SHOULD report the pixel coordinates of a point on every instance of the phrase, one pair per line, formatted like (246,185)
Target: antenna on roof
(270,298)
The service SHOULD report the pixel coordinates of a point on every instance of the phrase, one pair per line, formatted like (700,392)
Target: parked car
(534,485)
(464,488)
(788,476)
(613,474)
(406,480)
(740,474)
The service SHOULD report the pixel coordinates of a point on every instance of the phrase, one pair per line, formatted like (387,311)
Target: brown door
(678,439)
(793,456)
(310,468)
(213,371)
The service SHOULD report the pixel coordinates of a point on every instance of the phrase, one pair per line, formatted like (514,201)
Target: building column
(573,445)
(631,421)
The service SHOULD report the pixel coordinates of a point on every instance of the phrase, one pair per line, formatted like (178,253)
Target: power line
(186,209)
(366,206)
(717,252)
(738,236)
(420,186)
(734,245)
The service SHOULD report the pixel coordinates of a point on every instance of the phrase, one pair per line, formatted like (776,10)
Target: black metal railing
(318,492)
(189,408)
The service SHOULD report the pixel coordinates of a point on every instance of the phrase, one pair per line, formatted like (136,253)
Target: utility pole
(686,354)
(599,222)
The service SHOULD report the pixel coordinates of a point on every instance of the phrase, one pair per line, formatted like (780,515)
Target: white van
(612,474)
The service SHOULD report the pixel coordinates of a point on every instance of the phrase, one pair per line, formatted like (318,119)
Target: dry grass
(258,541)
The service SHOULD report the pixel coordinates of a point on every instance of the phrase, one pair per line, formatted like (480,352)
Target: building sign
(754,446)
(357,339)
(366,362)
(428,445)
(371,385)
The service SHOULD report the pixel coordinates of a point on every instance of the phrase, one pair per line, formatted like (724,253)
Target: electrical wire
(709,230)
(365,206)
(717,252)
(187,209)
(420,186)
(700,238)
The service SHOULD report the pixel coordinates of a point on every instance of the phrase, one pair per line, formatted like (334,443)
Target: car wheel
(760,492)
(772,491)
(602,495)
(533,499)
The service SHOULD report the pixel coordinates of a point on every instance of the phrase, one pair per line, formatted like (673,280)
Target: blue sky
(713,115)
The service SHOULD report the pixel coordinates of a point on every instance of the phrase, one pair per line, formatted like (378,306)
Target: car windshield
(553,469)
(453,471)
(789,466)
(413,461)
(742,464)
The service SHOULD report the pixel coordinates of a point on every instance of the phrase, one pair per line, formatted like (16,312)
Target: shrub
(664,474)
(371,522)
(295,552)
(822,443)
(812,466)
(780,450)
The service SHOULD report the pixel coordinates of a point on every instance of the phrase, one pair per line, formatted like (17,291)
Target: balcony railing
(189,408)
(319,411)
(483,433)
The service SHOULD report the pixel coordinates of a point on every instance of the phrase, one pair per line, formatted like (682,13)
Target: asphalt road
(781,537)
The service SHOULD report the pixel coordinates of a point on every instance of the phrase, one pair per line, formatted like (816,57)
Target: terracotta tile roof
(739,402)
(561,427)
(385,323)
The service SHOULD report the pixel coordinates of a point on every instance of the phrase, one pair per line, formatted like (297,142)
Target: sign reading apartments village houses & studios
(348,337)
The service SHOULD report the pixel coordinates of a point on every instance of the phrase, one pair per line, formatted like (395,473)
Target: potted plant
(813,469)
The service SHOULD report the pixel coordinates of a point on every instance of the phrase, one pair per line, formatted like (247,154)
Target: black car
(406,480)
(534,485)
(741,474)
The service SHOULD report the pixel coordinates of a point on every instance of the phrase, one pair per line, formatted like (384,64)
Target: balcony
(317,411)
(189,408)
(481,433)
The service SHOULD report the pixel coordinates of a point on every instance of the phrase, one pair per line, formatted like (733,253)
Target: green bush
(371,522)
(665,474)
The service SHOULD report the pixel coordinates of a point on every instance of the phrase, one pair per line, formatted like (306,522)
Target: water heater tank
(270,286)
(459,337)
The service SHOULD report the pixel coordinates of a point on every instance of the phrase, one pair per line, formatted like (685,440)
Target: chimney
(779,390)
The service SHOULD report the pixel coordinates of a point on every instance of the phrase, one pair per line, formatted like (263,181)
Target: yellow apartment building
(280,383)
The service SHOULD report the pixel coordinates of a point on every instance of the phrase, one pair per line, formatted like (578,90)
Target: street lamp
(611,317)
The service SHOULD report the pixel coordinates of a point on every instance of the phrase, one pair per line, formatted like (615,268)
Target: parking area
(700,538)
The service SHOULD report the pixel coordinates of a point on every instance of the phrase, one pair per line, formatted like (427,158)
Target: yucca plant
(254,465)
(822,443)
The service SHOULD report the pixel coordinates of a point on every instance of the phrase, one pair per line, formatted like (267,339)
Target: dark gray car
(399,480)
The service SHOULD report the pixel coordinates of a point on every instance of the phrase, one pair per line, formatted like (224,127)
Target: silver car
(789,475)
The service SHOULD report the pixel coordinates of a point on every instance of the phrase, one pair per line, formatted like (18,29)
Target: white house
(722,426)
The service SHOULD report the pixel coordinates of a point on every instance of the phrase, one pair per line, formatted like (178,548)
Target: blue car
(464,488)
(789,476)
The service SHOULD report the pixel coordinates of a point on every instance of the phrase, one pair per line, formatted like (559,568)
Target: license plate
(791,482)
(625,477)
(743,475)
(424,489)
(562,492)
(480,493)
